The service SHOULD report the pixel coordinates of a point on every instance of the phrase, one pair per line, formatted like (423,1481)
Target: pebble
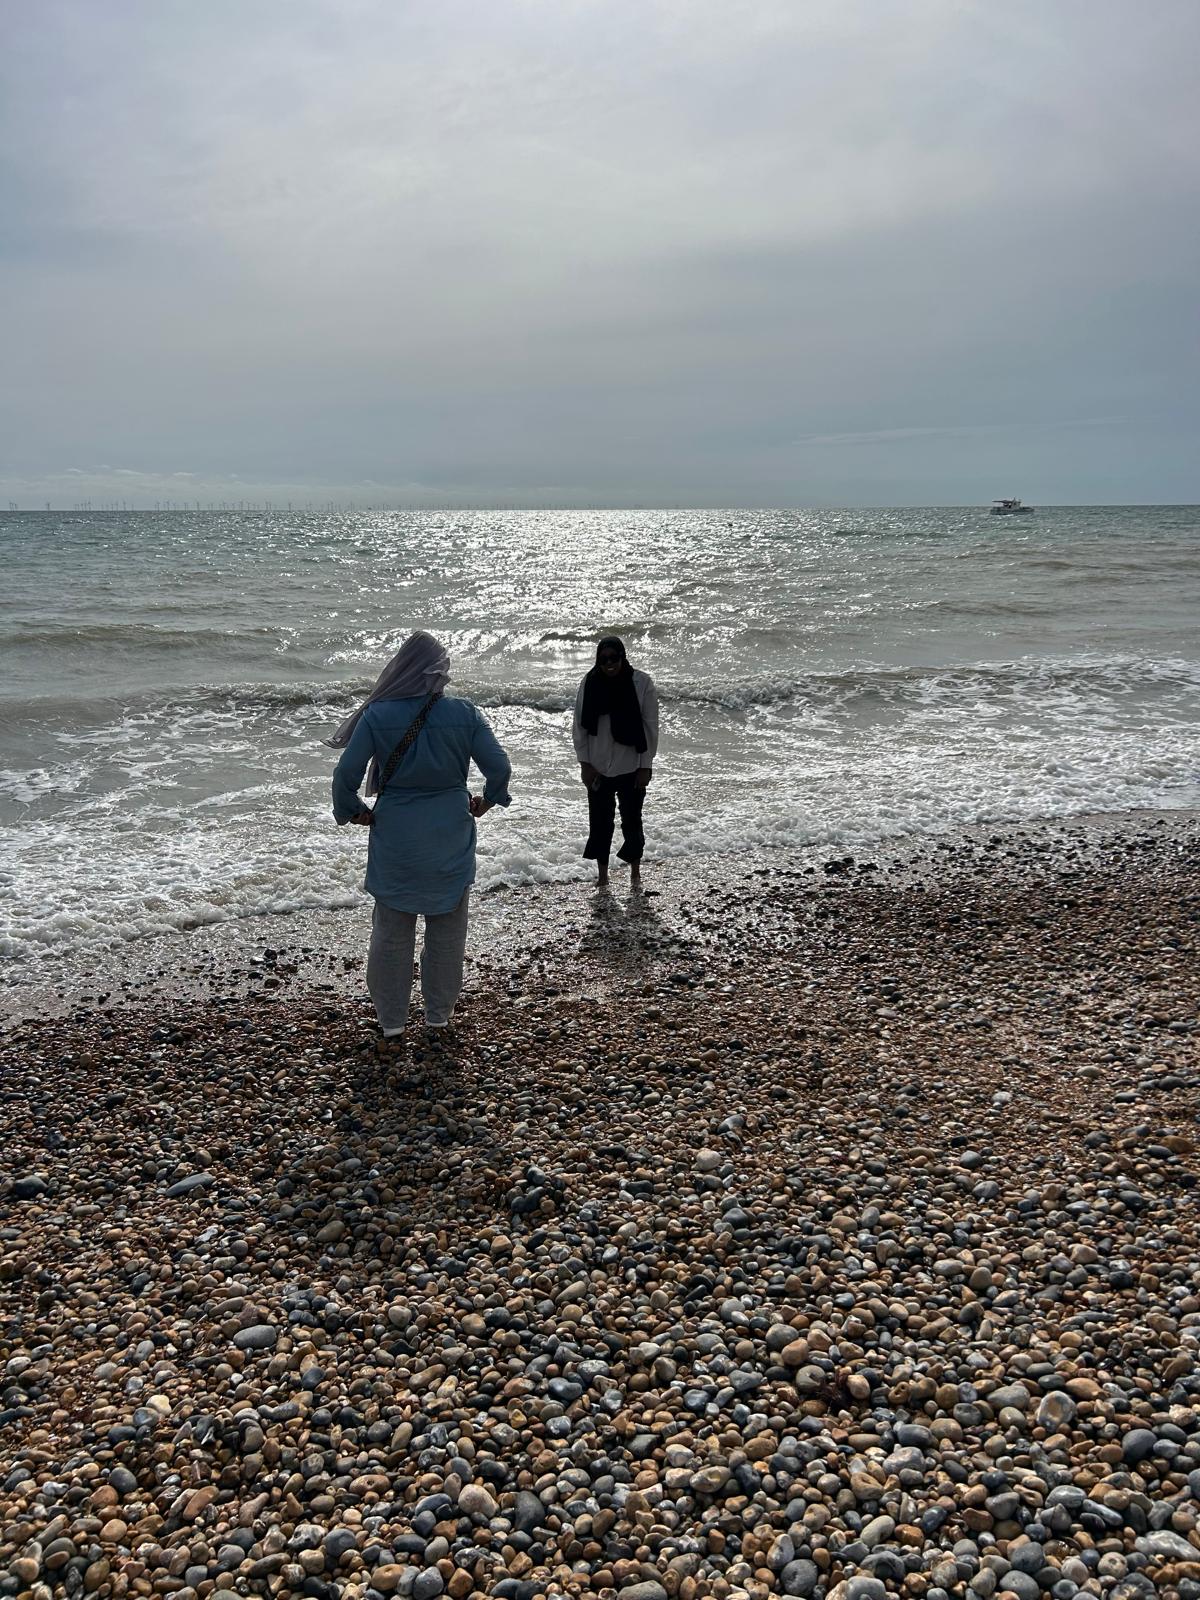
(799,1577)
(260,1337)
(190,1184)
(1137,1444)
(475,1501)
(1022,1584)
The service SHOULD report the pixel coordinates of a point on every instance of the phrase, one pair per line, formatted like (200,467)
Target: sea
(829,679)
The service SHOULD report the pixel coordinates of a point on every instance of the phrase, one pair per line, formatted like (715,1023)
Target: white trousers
(390,963)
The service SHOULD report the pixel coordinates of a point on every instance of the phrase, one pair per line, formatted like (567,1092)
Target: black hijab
(616,697)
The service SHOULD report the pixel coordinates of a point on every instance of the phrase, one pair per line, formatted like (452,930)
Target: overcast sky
(604,251)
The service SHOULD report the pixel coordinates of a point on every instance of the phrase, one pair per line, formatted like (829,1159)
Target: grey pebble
(799,1577)
(188,1185)
(1137,1444)
(260,1337)
(1164,1543)
(1023,1584)
(859,1588)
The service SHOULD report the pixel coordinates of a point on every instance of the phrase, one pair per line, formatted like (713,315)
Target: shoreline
(326,948)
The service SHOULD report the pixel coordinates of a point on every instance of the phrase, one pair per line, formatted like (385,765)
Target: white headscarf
(421,667)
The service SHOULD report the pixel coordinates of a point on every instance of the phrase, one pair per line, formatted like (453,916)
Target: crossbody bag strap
(410,734)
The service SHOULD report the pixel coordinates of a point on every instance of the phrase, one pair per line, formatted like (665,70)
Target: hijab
(421,667)
(614,697)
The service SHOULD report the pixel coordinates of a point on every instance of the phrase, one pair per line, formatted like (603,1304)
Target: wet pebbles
(841,1242)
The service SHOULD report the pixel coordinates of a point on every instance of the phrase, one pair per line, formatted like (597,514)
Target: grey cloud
(631,251)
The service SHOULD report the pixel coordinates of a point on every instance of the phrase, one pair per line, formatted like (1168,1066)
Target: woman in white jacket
(616,739)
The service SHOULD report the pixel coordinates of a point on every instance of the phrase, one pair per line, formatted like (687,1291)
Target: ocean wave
(212,877)
(146,858)
(1101,675)
(991,607)
(139,635)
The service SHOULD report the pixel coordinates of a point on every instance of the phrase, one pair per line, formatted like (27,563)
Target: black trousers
(604,796)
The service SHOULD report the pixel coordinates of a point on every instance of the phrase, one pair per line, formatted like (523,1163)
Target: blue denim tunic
(421,846)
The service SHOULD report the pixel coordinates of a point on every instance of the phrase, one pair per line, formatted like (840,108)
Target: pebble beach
(823,1229)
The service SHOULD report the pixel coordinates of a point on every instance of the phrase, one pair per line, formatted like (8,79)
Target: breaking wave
(1098,675)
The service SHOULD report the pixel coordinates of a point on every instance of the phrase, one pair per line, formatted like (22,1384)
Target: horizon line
(268,507)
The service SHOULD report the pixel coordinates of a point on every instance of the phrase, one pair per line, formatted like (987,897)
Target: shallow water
(831,677)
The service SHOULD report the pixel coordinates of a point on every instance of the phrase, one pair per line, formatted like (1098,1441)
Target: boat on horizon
(1010,508)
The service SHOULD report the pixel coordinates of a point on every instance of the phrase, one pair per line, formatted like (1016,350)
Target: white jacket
(612,760)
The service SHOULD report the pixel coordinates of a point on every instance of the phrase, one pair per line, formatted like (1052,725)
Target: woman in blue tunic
(421,850)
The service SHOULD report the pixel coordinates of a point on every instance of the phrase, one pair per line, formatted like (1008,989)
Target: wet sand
(821,1228)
